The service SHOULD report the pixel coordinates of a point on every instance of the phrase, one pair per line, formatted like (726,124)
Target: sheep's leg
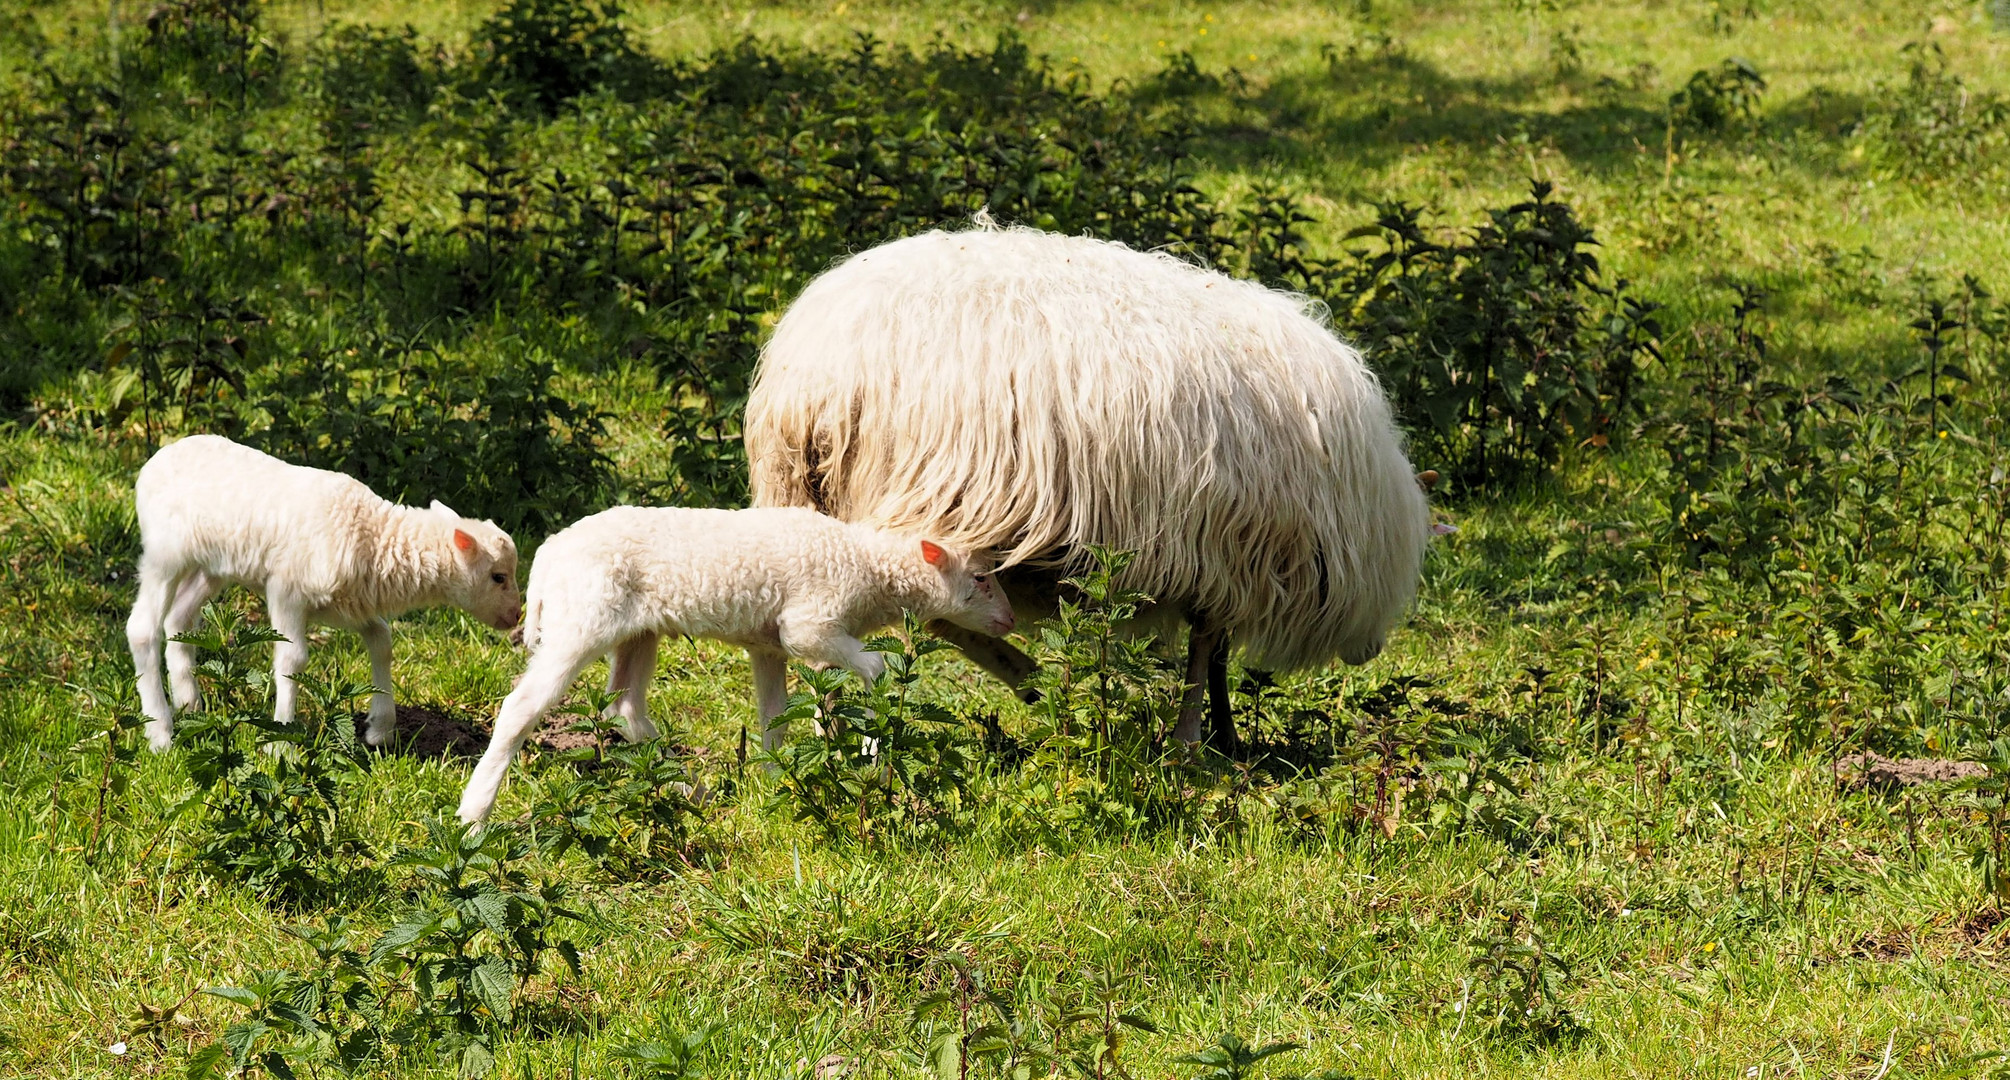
(771,695)
(821,642)
(1220,714)
(143,636)
(383,707)
(995,655)
(629,670)
(289,620)
(195,591)
(544,682)
(1201,643)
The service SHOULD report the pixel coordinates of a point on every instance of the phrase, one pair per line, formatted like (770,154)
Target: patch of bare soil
(1866,772)
(1981,926)
(428,733)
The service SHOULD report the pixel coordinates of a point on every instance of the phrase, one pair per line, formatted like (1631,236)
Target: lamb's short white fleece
(780,582)
(321,546)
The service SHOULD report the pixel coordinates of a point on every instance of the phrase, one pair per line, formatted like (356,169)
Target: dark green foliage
(667,1059)
(876,762)
(1404,761)
(628,807)
(216,48)
(268,795)
(440,983)
(416,426)
(1935,127)
(375,74)
(294,1023)
(1502,349)
(555,50)
(1516,991)
(1714,98)
(1826,502)
(1101,758)
(1230,1058)
(975,1026)
(479,930)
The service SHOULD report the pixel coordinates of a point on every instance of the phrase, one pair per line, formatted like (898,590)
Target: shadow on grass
(1375,110)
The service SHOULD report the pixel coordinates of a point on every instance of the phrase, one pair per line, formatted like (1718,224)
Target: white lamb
(781,582)
(322,547)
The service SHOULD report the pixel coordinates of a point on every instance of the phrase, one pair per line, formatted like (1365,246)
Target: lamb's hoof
(380,731)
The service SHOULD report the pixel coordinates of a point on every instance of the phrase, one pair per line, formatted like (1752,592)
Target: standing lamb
(324,549)
(780,583)
(1035,394)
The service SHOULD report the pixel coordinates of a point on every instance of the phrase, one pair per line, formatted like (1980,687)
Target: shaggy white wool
(321,546)
(778,582)
(1033,394)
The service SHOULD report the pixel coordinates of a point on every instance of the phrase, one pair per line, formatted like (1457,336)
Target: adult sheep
(1034,394)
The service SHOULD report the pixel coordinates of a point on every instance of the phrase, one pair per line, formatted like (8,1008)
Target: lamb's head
(485,558)
(969,595)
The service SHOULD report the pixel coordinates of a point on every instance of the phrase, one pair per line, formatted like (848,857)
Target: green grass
(1724,909)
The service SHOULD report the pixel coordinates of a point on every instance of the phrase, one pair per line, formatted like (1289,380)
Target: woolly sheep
(1035,394)
(778,582)
(324,549)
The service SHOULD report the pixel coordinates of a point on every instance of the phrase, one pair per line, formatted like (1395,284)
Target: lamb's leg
(383,707)
(629,670)
(544,682)
(143,636)
(289,620)
(822,642)
(1200,647)
(195,591)
(771,695)
(1220,715)
(995,655)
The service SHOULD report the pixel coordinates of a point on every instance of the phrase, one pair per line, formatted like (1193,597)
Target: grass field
(1642,848)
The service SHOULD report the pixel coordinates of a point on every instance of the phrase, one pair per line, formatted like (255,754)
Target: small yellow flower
(1203,31)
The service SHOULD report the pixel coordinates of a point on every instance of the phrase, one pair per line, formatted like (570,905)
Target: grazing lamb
(779,582)
(1035,394)
(323,548)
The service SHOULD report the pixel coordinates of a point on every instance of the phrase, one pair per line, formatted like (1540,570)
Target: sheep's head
(486,585)
(972,597)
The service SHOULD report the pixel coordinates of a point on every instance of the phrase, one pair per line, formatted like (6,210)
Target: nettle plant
(876,761)
(970,1024)
(629,807)
(1504,348)
(448,976)
(1101,756)
(268,796)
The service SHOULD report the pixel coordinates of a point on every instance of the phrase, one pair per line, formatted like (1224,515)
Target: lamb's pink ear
(932,552)
(463,542)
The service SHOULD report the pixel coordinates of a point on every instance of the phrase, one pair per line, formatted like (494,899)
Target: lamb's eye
(979,579)
(499,577)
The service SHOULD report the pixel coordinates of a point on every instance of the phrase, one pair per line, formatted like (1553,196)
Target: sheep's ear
(439,507)
(463,542)
(932,552)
